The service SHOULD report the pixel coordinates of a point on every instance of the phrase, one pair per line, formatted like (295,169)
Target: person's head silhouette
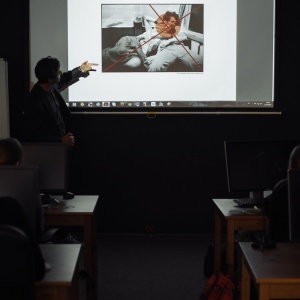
(294,161)
(11,151)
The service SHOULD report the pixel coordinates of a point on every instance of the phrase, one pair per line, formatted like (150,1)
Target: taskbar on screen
(169,104)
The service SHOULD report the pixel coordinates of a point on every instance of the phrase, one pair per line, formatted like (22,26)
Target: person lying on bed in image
(158,33)
(171,49)
(133,51)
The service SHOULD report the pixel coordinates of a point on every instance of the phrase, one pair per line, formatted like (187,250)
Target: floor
(151,267)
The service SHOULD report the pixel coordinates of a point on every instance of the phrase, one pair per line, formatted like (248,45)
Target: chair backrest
(294,204)
(278,212)
(16,264)
(21,183)
(12,213)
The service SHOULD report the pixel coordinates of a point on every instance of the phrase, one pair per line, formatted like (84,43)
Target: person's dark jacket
(39,121)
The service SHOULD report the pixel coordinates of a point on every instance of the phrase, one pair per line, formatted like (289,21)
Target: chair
(278,212)
(294,204)
(11,213)
(17,265)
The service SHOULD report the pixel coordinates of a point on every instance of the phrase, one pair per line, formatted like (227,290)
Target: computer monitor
(52,160)
(294,205)
(21,183)
(255,166)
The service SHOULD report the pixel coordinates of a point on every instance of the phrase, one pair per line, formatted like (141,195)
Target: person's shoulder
(35,97)
(281,183)
(36,89)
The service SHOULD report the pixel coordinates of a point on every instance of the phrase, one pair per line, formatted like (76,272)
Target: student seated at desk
(278,210)
(11,152)
(277,203)
(11,212)
(294,160)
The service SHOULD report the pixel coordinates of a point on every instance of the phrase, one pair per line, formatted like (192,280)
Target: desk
(275,272)
(236,219)
(80,212)
(61,282)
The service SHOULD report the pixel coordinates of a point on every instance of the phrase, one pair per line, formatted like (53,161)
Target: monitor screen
(294,204)
(226,62)
(21,183)
(52,160)
(255,166)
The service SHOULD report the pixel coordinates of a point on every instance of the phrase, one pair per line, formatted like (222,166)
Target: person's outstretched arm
(71,77)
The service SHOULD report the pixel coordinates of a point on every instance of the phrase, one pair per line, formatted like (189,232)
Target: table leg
(245,292)
(90,253)
(230,246)
(218,238)
(53,293)
(263,292)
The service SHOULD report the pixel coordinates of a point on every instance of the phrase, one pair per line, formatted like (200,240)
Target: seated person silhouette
(11,212)
(277,208)
(11,153)
(294,160)
(277,211)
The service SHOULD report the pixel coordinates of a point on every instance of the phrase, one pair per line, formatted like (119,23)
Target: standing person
(46,115)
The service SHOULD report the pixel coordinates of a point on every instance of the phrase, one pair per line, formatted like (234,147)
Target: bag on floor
(219,287)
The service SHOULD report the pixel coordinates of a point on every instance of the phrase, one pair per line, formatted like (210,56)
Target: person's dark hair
(46,68)
(11,151)
(167,17)
(294,161)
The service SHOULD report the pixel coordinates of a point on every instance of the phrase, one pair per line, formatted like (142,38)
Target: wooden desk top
(80,204)
(63,260)
(279,265)
(230,209)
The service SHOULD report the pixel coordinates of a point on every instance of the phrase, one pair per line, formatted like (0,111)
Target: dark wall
(162,171)
(14,34)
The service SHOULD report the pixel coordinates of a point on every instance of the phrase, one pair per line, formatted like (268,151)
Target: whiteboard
(4,105)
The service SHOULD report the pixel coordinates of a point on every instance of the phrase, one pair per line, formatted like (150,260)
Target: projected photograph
(152,37)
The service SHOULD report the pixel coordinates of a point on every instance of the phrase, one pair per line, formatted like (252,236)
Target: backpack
(220,287)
